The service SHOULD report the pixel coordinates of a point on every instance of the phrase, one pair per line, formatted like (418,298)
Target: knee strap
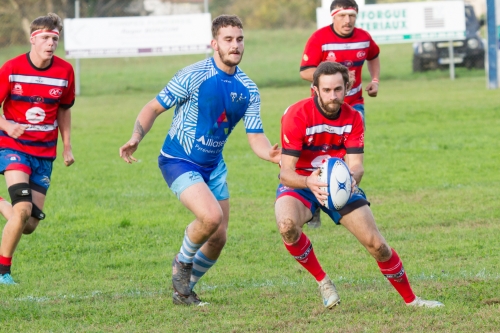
(37,212)
(20,192)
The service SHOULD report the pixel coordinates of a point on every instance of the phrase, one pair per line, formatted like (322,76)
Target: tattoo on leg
(138,129)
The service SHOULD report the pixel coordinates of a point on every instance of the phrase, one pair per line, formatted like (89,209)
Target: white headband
(349,10)
(45,31)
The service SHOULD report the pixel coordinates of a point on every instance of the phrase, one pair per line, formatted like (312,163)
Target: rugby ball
(336,174)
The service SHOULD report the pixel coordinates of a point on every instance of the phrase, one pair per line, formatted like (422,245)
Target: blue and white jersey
(209,104)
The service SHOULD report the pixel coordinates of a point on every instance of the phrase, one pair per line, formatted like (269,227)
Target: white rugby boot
(418,302)
(329,293)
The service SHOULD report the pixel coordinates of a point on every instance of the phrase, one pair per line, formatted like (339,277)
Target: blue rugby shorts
(39,169)
(358,199)
(180,174)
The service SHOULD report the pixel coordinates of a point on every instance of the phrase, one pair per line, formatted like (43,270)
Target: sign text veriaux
(408,22)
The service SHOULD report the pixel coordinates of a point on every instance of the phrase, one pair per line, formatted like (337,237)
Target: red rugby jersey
(352,51)
(32,96)
(307,134)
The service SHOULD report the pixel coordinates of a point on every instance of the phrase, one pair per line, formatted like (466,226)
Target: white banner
(408,22)
(137,36)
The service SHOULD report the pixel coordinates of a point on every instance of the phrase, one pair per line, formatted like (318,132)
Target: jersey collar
(221,72)
(36,68)
(348,36)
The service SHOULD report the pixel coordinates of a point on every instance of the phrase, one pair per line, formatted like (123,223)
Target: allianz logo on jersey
(211,142)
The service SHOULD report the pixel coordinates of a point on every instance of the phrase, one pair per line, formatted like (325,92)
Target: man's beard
(332,108)
(226,61)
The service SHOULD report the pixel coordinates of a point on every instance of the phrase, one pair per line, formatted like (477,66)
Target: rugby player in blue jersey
(210,98)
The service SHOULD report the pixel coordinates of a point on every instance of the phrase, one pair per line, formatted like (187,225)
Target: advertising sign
(408,22)
(137,36)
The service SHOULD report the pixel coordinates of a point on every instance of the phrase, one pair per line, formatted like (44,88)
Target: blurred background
(16,15)
(275,34)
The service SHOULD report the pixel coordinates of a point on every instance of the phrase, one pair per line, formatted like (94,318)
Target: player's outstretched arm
(64,123)
(275,154)
(262,147)
(142,125)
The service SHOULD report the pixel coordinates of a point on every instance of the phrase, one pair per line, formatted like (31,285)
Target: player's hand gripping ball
(336,174)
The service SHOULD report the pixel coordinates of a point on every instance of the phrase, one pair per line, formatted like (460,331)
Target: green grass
(100,262)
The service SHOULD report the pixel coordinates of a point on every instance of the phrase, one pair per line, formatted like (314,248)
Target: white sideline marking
(257,284)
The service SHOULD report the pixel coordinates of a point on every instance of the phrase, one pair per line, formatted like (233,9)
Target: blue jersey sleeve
(175,92)
(252,121)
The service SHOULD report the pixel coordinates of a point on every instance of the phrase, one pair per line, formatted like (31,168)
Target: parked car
(468,52)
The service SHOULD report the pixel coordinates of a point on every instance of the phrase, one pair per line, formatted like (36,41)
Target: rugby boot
(329,293)
(418,302)
(191,300)
(6,279)
(181,275)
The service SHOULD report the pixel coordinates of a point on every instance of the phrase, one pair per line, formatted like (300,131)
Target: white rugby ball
(336,174)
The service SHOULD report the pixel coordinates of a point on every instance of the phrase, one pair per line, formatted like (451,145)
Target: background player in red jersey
(343,43)
(312,131)
(37,91)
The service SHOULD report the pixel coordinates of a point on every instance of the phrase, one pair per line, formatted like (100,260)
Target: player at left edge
(37,90)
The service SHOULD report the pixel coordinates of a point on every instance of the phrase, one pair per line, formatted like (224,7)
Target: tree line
(16,15)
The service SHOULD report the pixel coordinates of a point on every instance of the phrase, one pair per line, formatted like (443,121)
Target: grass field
(100,262)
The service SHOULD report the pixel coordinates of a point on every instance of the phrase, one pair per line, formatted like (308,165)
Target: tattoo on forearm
(138,129)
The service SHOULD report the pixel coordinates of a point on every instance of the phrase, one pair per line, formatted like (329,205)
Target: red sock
(5,263)
(303,252)
(395,273)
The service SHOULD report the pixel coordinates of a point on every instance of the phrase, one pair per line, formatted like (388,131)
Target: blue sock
(188,250)
(201,264)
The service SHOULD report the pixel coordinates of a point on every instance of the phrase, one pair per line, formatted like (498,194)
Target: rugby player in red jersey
(342,42)
(37,91)
(312,131)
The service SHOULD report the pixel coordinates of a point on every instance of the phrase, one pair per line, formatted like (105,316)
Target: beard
(227,61)
(331,109)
